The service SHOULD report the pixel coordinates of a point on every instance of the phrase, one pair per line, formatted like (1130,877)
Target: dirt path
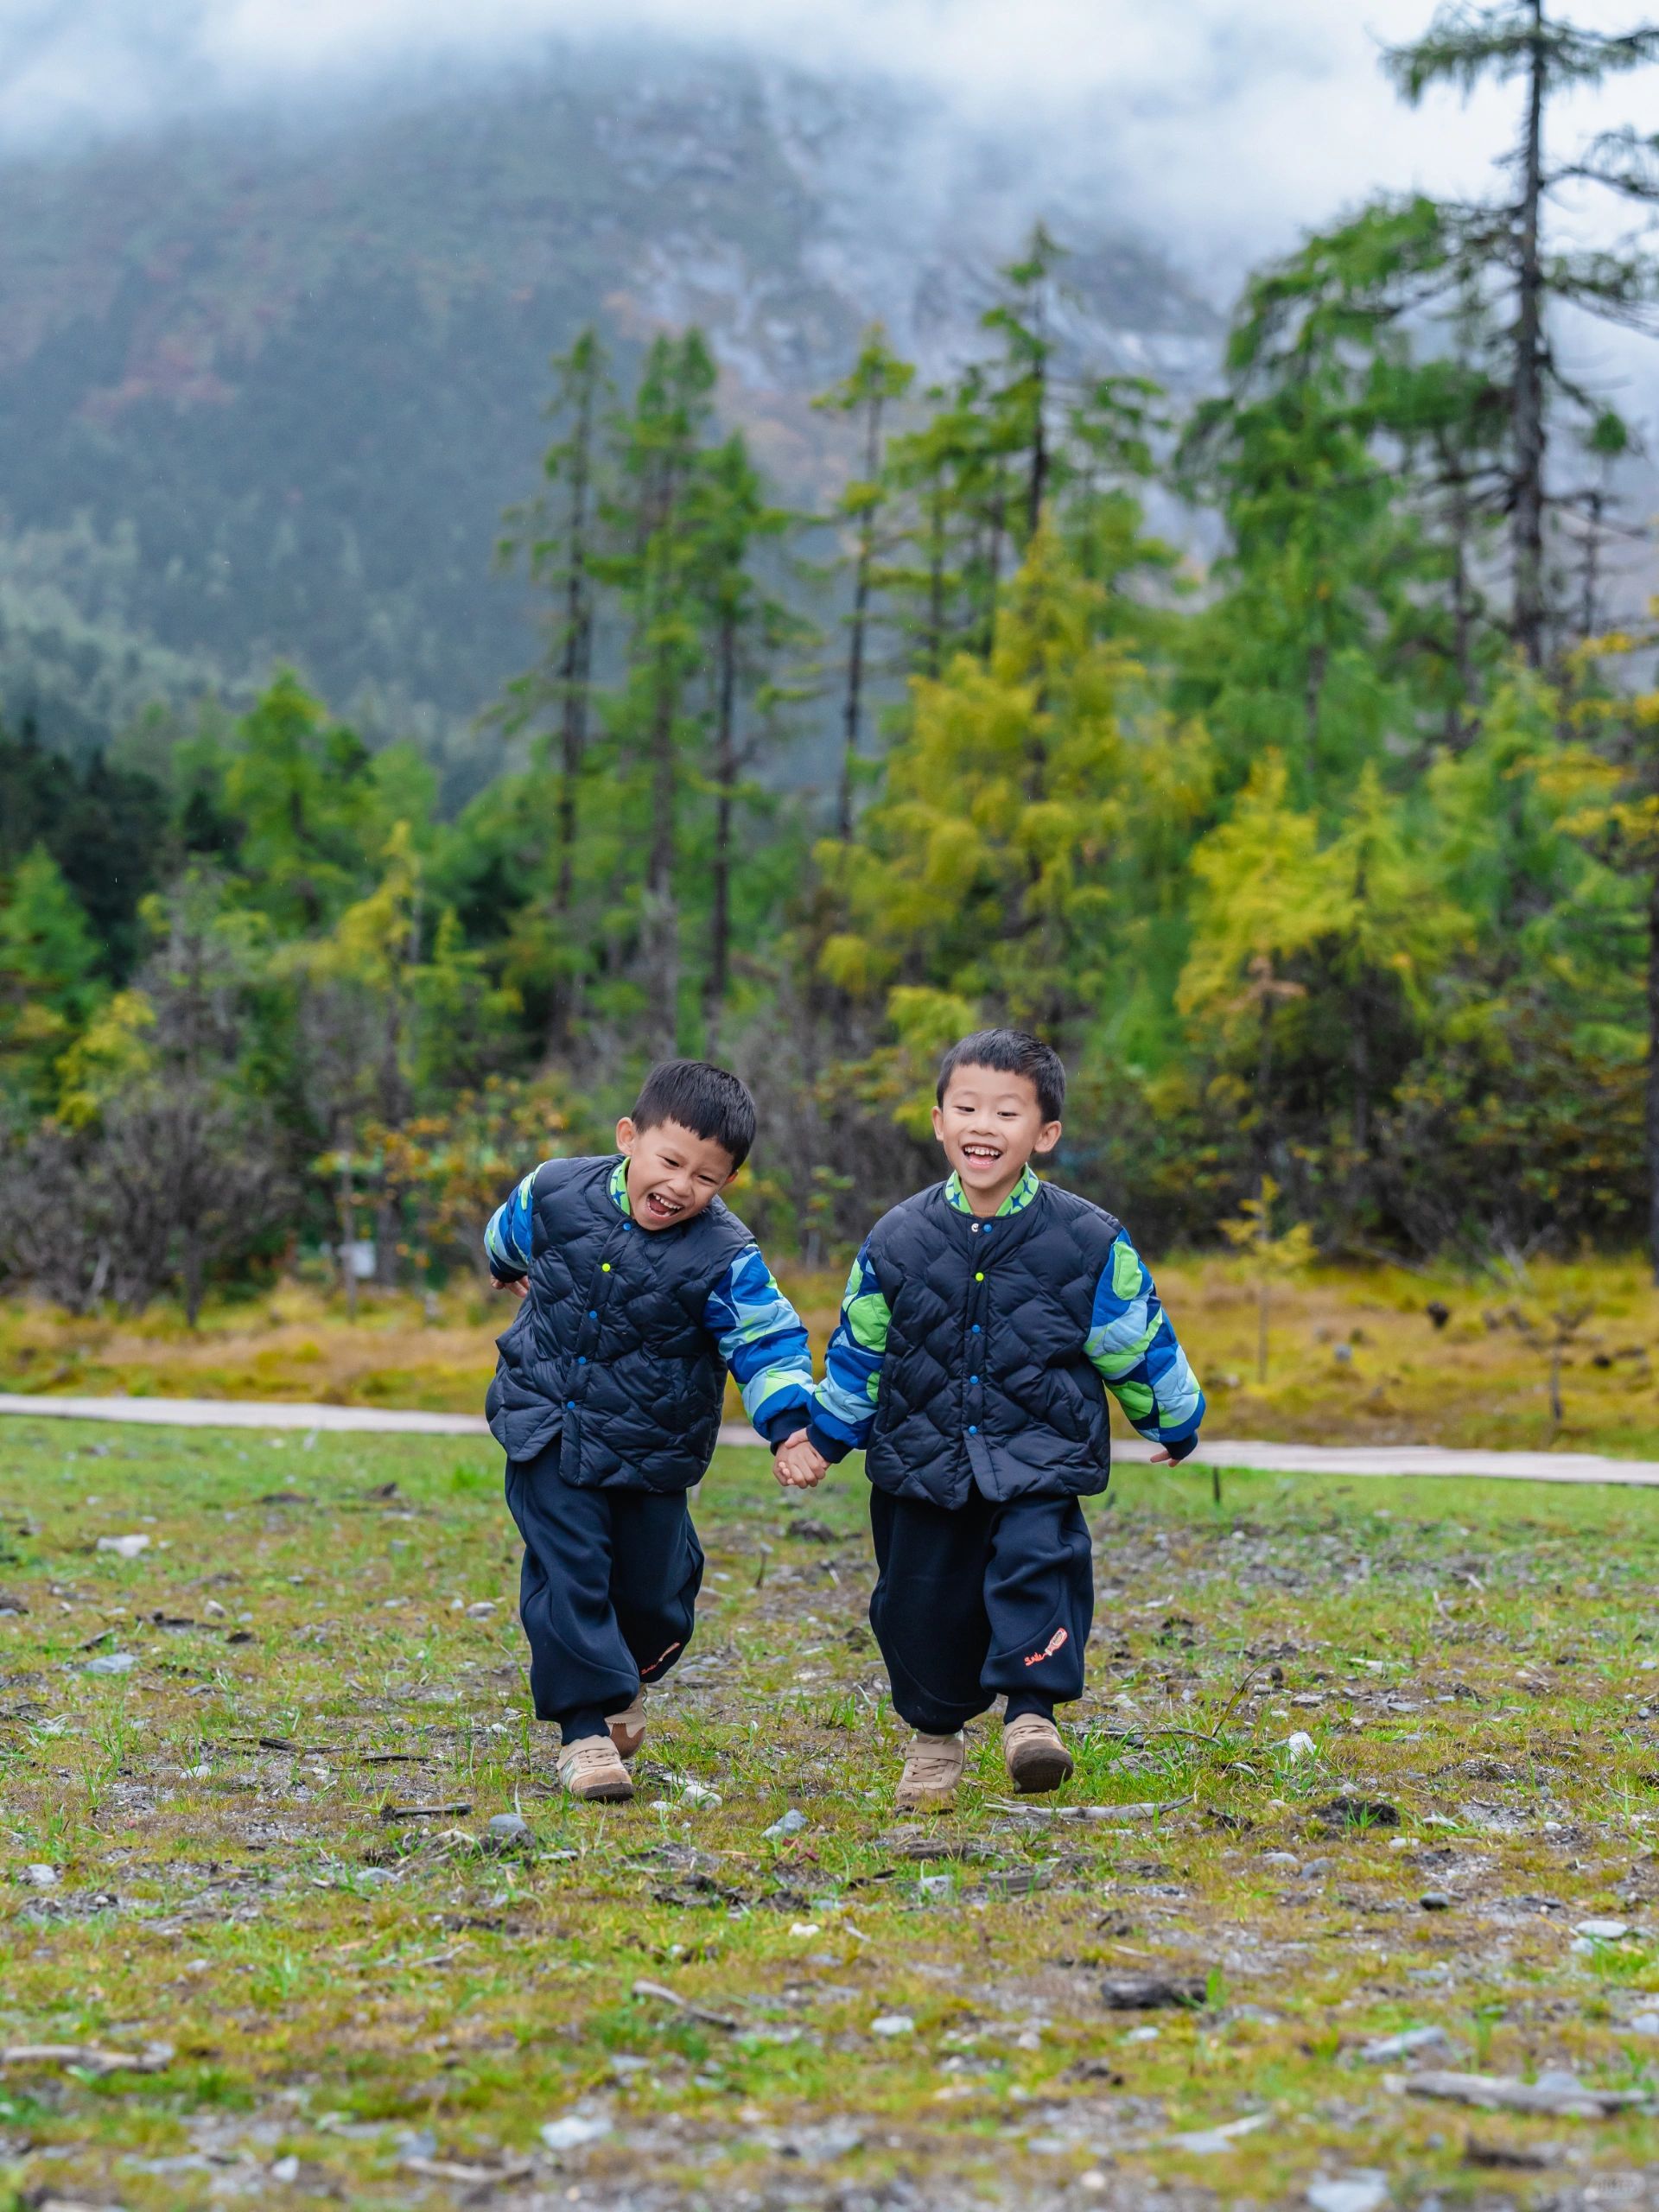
(1222,1452)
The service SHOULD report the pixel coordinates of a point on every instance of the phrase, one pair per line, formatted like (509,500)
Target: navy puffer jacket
(985,1383)
(609,1350)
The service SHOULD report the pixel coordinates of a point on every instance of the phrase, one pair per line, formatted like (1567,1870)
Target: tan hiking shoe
(933,1767)
(628,1728)
(590,1769)
(1036,1759)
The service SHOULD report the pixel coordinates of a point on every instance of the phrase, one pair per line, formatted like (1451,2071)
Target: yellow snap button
(979,1278)
(604,1266)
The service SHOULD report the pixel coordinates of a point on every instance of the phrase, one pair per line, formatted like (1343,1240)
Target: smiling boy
(640,1290)
(982,1320)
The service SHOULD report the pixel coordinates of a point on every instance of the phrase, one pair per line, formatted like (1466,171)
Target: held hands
(798,1465)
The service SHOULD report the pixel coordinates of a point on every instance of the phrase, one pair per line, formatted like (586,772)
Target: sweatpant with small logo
(608,1591)
(979,1601)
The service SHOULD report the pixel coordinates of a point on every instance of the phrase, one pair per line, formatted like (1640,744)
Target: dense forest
(1334,870)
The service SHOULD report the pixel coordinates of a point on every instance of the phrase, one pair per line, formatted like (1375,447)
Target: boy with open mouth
(640,1290)
(984,1320)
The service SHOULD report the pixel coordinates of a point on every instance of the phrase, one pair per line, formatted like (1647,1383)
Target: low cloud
(1220,125)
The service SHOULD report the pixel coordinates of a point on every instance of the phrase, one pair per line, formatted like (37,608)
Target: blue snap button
(570,1405)
(593,1313)
(975,1328)
(973,1378)
(582,1359)
(973,1429)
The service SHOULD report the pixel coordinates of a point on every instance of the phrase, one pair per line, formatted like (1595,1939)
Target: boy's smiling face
(990,1124)
(672,1172)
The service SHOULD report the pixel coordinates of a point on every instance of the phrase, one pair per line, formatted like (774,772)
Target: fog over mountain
(1224,128)
(280,279)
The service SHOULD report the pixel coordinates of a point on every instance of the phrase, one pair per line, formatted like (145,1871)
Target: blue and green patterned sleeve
(1135,1351)
(844,1410)
(507,1240)
(763,1340)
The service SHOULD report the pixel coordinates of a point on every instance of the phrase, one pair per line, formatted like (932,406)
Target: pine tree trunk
(935,594)
(1312,700)
(1359,1015)
(1264,1088)
(1462,606)
(662,915)
(345,1205)
(853,705)
(578,646)
(863,575)
(386,1242)
(1037,487)
(1589,611)
(191,1270)
(575,668)
(993,579)
(719,915)
(391,1114)
(1528,528)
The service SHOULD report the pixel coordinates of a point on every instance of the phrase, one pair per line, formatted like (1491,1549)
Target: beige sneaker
(590,1769)
(629,1727)
(1036,1759)
(933,1767)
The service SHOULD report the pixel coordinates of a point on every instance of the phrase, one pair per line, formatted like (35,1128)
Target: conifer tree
(925,588)
(654,521)
(305,789)
(746,628)
(1265,897)
(1024,319)
(49,978)
(1618,817)
(877,381)
(988,865)
(1501,247)
(1322,647)
(555,535)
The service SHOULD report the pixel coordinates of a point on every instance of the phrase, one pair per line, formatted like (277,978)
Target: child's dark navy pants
(608,1591)
(983,1600)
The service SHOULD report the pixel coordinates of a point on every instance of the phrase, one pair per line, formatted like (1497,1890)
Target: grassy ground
(1354,1357)
(337,2000)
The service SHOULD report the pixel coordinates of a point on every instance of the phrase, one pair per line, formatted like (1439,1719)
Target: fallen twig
(1560,2094)
(1142,1810)
(150,2060)
(287,1744)
(423,1812)
(453,2169)
(666,1996)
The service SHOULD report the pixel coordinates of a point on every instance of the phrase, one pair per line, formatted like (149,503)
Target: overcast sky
(1225,125)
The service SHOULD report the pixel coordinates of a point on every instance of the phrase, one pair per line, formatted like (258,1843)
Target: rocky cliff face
(265,385)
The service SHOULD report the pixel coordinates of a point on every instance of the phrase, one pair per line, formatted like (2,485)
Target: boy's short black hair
(708,1100)
(1011,1051)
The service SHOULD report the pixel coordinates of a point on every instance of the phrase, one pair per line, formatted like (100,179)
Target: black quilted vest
(985,1383)
(609,1349)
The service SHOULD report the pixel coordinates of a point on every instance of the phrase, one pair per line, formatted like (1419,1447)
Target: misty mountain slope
(266,385)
